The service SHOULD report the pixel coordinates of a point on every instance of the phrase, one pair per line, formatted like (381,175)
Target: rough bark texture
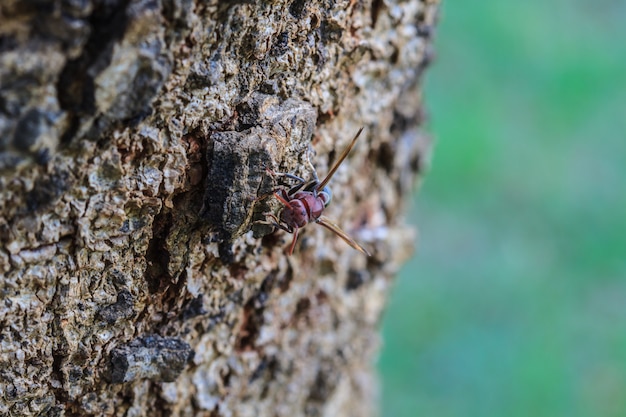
(134,140)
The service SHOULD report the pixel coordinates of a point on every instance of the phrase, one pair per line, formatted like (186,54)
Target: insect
(304,203)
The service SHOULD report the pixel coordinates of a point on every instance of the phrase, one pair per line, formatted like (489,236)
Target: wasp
(304,203)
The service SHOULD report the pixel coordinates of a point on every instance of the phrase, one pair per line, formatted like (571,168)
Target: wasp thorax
(296,215)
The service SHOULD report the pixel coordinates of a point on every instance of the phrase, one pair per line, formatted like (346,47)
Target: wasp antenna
(339,161)
(324,221)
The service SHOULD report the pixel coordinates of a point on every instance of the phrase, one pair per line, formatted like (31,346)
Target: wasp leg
(283,187)
(301,183)
(284,174)
(308,160)
(274,222)
(293,241)
(306,186)
(290,176)
(276,192)
(264,196)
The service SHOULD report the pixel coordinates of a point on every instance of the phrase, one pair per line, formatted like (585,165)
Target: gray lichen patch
(149,357)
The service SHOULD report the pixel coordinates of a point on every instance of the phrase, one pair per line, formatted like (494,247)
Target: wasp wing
(336,230)
(343,155)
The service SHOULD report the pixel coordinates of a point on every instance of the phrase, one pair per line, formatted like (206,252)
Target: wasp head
(326,195)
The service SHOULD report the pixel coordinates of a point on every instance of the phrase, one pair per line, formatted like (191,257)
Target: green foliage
(516,302)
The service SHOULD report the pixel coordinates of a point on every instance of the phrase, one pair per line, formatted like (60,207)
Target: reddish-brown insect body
(305,202)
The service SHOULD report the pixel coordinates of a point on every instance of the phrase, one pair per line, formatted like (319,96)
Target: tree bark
(136,139)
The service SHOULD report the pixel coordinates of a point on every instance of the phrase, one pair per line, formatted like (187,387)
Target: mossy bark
(135,140)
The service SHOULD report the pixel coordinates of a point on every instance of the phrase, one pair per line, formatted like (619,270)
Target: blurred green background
(515,304)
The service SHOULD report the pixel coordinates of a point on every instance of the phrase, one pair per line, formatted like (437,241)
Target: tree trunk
(137,142)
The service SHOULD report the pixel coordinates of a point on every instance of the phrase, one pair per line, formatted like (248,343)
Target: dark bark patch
(76,86)
(266,369)
(177,12)
(252,322)
(425,27)
(281,46)
(386,157)
(193,308)
(47,190)
(326,381)
(297,7)
(377,6)
(356,278)
(122,309)
(8,42)
(285,282)
(28,130)
(330,31)
(253,314)
(130,100)
(157,255)
(302,306)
